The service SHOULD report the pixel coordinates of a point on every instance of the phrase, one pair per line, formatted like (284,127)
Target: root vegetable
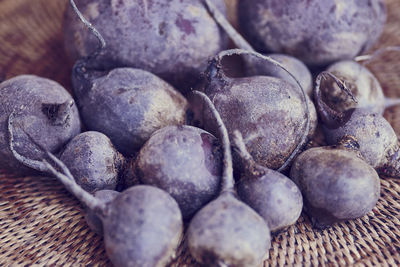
(93,161)
(274,117)
(44,109)
(336,183)
(318,32)
(186,162)
(172,39)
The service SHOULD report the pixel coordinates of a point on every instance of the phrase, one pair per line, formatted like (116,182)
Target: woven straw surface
(42,224)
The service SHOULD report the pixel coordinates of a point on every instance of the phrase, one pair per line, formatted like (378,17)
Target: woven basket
(42,224)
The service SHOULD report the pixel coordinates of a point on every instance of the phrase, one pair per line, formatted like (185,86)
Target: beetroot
(274,116)
(186,162)
(274,196)
(318,32)
(336,183)
(40,107)
(93,161)
(127,105)
(172,39)
(363,85)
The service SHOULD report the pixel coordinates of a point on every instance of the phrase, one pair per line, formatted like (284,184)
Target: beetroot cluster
(168,127)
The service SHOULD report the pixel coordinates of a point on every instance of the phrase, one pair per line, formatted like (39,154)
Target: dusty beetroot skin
(362,83)
(295,66)
(270,193)
(336,183)
(43,109)
(378,141)
(172,39)
(186,162)
(143,227)
(318,32)
(269,112)
(94,162)
(127,104)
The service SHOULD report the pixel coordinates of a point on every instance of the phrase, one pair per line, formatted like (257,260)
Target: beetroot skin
(318,32)
(172,39)
(127,104)
(268,111)
(94,162)
(186,162)
(336,183)
(43,109)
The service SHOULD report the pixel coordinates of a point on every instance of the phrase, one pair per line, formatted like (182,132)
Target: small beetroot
(274,196)
(93,161)
(336,183)
(363,85)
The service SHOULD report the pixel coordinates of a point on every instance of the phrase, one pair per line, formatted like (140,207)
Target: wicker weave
(42,224)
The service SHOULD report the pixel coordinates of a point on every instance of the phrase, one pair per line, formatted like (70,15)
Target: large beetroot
(336,183)
(127,104)
(274,116)
(172,39)
(318,32)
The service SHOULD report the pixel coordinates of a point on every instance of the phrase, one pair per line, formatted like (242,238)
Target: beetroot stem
(227,177)
(370,57)
(91,28)
(237,38)
(65,178)
(241,147)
